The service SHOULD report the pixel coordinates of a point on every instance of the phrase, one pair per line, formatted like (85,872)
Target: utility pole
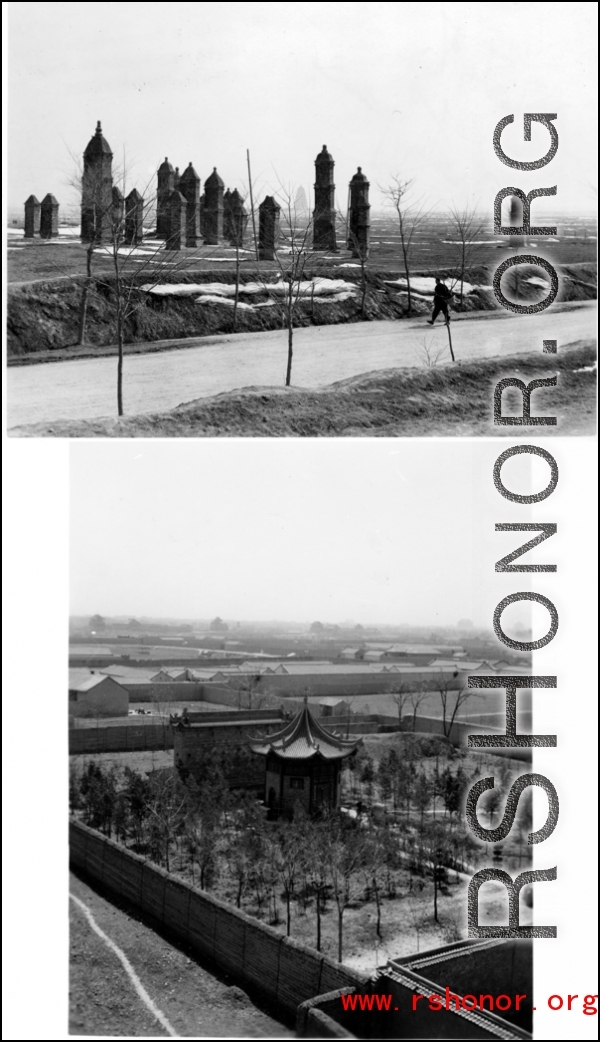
(252,204)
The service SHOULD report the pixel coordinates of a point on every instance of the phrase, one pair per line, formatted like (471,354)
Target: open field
(42,259)
(444,400)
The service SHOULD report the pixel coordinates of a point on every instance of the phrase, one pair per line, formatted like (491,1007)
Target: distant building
(333,706)
(100,695)
(167,676)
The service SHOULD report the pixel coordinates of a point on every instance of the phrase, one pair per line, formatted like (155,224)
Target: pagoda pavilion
(303,764)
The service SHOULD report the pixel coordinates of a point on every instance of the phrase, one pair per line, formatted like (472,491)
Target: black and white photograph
(260,221)
(300,444)
(269,715)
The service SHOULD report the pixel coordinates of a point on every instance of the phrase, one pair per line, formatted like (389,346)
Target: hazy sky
(374,531)
(413,88)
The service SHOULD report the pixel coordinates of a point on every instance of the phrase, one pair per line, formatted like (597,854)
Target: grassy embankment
(42,316)
(447,400)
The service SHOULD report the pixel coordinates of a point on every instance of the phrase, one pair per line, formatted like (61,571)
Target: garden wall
(460,732)
(119,739)
(257,956)
(354,682)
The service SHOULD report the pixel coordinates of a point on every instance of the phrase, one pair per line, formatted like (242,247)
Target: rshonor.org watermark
(492,1003)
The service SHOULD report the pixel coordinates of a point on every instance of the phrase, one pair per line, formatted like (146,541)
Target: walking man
(441,298)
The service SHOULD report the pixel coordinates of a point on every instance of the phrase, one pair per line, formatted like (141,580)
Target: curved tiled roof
(304,738)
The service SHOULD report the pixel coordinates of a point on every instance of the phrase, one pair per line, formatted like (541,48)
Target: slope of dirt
(449,400)
(42,317)
(195,1001)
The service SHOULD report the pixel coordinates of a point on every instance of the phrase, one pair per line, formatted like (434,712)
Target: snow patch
(535,280)
(426,286)
(318,288)
(473,242)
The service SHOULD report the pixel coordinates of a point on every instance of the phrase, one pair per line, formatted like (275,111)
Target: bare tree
(401,697)
(166,814)
(429,353)
(467,225)
(416,698)
(296,264)
(290,838)
(422,795)
(291,256)
(411,216)
(380,858)
(452,699)
(314,866)
(344,849)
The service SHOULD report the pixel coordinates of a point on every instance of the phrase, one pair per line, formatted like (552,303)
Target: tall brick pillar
(178,222)
(324,212)
(189,186)
(214,188)
(237,219)
(359,219)
(49,217)
(166,185)
(96,190)
(33,217)
(134,217)
(268,228)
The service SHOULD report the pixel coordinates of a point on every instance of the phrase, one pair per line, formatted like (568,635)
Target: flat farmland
(30,260)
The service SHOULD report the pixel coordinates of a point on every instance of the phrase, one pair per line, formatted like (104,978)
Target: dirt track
(323,354)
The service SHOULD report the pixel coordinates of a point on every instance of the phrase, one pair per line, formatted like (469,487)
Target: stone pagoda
(212,212)
(96,190)
(269,213)
(189,187)
(166,185)
(324,212)
(303,763)
(359,220)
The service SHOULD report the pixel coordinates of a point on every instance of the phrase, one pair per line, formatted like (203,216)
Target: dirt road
(155,990)
(86,388)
